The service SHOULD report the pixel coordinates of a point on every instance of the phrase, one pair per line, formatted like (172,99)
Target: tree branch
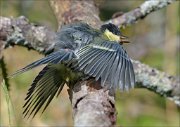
(92,106)
(157,81)
(19,31)
(68,11)
(140,12)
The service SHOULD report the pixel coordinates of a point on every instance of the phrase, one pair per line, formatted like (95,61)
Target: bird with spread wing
(80,52)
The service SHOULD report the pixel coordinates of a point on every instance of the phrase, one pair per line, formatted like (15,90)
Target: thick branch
(68,11)
(157,81)
(140,12)
(18,31)
(91,106)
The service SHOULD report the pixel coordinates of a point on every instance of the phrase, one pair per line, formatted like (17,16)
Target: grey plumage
(80,51)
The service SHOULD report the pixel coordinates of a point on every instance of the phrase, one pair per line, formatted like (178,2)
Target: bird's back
(75,36)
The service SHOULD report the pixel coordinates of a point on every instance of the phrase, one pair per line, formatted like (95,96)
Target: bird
(80,52)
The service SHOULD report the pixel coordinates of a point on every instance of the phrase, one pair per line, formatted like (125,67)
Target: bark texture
(92,105)
(140,12)
(19,31)
(68,11)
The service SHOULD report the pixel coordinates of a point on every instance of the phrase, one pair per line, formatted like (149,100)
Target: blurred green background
(155,41)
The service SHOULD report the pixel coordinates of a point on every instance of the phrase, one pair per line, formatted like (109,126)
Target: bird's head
(113,33)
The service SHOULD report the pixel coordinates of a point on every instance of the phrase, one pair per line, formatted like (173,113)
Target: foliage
(4,73)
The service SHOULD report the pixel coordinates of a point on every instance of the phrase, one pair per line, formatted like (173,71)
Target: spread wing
(45,86)
(107,61)
(49,81)
(61,55)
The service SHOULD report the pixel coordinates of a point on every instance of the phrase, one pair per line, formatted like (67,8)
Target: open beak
(124,39)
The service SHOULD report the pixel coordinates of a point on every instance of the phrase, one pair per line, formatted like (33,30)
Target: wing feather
(107,61)
(118,72)
(103,66)
(45,89)
(122,75)
(93,64)
(114,68)
(56,57)
(132,75)
(83,62)
(127,77)
(98,65)
(106,72)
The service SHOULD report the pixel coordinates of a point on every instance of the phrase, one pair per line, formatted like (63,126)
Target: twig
(140,12)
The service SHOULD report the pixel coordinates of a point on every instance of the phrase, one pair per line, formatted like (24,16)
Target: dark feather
(98,64)
(33,85)
(56,57)
(132,75)
(127,77)
(108,61)
(118,72)
(122,75)
(103,66)
(50,84)
(113,70)
(92,64)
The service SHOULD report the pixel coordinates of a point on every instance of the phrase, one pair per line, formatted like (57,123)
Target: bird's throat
(110,36)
